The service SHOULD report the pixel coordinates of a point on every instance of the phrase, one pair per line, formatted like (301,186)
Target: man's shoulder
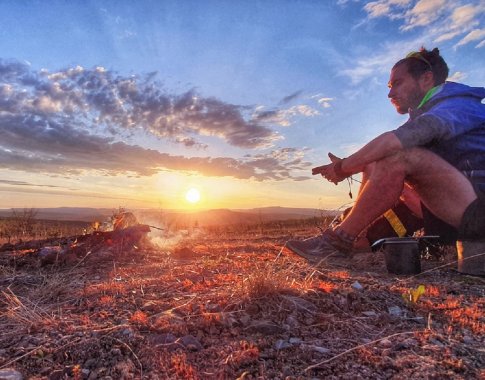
(455,97)
(457,90)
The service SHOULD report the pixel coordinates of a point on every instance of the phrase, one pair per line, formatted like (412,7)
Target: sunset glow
(134,105)
(193,195)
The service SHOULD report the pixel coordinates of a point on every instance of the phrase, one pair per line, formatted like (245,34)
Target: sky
(132,104)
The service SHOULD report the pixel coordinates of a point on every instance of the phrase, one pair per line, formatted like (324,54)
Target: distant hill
(289,212)
(82,214)
(180,217)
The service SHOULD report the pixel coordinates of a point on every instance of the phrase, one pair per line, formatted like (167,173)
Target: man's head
(412,77)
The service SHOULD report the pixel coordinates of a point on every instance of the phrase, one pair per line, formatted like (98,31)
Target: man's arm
(382,146)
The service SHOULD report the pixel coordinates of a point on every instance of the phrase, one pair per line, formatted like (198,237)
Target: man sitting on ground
(437,156)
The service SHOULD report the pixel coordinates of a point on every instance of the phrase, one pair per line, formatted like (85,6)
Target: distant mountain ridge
(201,218)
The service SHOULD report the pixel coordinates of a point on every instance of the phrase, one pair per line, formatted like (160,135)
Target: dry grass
(253,311)
(22,314)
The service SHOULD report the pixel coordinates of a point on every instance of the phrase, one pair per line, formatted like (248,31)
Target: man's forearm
(382,146)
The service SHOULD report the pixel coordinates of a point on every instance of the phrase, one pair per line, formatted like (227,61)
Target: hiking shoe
(314,249)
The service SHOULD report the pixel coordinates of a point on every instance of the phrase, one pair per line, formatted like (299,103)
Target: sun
(193,195)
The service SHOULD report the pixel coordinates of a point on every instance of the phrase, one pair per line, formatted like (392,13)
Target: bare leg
(411,199)
(443,189)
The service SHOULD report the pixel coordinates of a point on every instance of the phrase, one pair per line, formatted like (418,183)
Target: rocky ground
(237,307)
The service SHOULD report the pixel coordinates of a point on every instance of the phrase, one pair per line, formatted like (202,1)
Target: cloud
(424,13)
(36,146)
(457,77)
(474,35)
(386,8)
(367,66)
(23,183)
(325,102)
(283,117)
(289,98)
(438,20)
(101,98)
(79,120)
(443,19)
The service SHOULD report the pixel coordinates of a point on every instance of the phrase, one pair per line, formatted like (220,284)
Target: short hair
(424,60)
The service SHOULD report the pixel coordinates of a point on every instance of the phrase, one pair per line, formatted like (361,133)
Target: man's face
(405,92)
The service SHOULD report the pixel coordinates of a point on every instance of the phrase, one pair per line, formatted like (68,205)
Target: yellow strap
(395,223)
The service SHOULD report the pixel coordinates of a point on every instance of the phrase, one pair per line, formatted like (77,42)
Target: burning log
(69,249)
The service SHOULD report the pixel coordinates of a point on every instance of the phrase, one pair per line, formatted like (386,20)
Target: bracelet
(337,168)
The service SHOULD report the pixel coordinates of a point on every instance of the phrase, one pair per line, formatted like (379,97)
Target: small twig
(81,261)
(174,308)
(356,348)
(441,266)
(20,357)
(279,253)
(157,228)
(112,328)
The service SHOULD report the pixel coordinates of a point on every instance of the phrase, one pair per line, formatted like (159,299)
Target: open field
(232,303)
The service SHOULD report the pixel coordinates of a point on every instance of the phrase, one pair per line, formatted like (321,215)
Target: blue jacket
(452,125)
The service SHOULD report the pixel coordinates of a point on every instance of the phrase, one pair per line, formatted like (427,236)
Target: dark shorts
(472,226)
(473,221)
(434,226)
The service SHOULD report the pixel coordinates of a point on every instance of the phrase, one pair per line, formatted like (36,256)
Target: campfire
(127,236)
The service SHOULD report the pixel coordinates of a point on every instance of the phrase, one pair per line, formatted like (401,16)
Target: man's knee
(394,164)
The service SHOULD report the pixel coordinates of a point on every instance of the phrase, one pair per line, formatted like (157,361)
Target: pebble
(357,286)
(370,313)
(319,349)
(309,321)
(229,320)
(10,374)
(294,340)
(265,327)
(281,344)
(395,311)
(410,342)
(386,343)
(302,304)
(468,339)
(292,321)
(166,338)
(436,342)
(245,319)
(190,342)
(128,333)
(115,352)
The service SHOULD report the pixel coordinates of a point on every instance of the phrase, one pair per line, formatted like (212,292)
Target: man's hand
(332,172)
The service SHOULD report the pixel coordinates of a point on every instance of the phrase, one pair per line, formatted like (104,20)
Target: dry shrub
(433,291)
(266,281)
(470,317)
(247,353)
(325,286)
(340,275)
(107,300)
(169,322)
(182,368)
(139,318)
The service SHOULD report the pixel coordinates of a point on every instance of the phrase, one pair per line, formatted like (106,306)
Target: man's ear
(426,80)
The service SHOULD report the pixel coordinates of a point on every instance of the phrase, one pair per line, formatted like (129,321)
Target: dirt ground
(235,307)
